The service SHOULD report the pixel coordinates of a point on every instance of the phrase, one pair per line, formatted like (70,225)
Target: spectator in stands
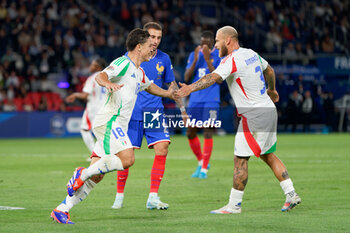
(2,95)
(8,56)
(294,109)
(329,109)
(43,104)
(273,41)
(11,93)
(290,52)
(13,80)
(327,45)
(307,110)
(9,106)
(309,51)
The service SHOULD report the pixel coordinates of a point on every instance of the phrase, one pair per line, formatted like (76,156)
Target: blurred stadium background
(45,49)
(46,46)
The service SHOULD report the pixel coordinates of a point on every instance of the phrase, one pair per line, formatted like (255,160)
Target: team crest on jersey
(133,75)
(160,69)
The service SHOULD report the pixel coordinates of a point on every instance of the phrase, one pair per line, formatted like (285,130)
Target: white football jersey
(243,72)
(121,103)
(96,96)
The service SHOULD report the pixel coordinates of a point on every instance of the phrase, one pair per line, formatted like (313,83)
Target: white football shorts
(256,134)
(111,139)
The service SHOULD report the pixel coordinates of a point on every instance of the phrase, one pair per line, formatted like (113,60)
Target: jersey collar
(155,54)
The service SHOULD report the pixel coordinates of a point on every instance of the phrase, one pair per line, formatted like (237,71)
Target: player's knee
(162,151)
(191,133)
(129,162)
(161,148)
(208,134)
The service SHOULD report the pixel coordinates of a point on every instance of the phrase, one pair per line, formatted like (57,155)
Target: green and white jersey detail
(122,71)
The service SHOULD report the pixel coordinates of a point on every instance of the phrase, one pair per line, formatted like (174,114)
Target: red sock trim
(122,176)
(157,172)
(207,149)
(195,145)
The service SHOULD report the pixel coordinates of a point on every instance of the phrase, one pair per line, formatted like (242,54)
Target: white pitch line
(11,208)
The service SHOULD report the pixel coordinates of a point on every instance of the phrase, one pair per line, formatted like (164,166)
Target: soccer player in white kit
(94,94)
(123,79)
(245,73)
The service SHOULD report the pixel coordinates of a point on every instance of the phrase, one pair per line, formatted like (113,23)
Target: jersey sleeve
(145,81)
(263,62)
(190,60)
(117,69)
(88,85)
(169,73)
(226,67)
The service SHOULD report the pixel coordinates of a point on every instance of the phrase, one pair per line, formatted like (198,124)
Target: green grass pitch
(34,173)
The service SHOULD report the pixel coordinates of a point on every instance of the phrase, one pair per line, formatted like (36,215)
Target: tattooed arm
(204,82)
(270,78)
(179,102)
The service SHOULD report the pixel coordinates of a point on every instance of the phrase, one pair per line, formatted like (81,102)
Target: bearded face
(223,51)
(220,44)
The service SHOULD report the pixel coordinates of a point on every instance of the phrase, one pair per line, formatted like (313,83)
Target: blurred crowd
(43,41)
(296,28)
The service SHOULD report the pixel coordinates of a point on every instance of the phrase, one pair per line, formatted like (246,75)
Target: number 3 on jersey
(258,69)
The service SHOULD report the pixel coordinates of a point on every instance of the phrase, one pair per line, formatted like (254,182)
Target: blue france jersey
(212,93)
(159,70)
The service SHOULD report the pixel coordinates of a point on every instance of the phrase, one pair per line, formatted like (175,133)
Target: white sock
(78,197)
(120,195)
(204,170)
(287,187)
(236,197)
(107,163)
(88,139)
(152,195)
(200,163)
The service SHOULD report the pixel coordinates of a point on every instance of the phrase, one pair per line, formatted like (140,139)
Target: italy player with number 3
(245,73)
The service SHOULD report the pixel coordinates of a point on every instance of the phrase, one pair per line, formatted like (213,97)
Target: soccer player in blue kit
(158,69)
(203,104)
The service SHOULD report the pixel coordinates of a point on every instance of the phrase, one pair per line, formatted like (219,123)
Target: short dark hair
(135,37)
(101,62)
(208,35)
(153,25)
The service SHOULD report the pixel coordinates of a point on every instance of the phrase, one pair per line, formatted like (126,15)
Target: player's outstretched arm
(180,103)
(102,80)
(204,82)
(155,90)
(270,78)
(77,95)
